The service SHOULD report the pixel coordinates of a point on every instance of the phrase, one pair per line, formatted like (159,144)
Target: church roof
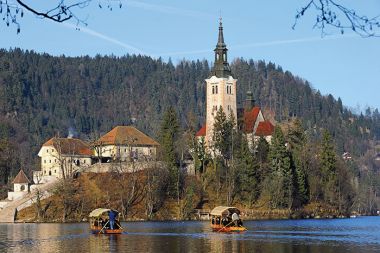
(221,67)
(265,128)
(126,135)
(69,146)
(202,131)
(21,178)
(250,118)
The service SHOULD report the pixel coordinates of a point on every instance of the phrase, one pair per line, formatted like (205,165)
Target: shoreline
(204,220)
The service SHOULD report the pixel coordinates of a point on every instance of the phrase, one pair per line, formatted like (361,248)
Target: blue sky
(346,66)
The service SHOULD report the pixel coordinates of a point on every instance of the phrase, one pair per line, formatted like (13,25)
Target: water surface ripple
(291,236)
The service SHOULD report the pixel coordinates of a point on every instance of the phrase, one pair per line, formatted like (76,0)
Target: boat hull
(233,229)
(106,231)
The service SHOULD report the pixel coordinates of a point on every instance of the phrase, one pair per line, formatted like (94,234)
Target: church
(221,89)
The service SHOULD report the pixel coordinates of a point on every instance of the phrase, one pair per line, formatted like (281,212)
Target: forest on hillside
(43,96)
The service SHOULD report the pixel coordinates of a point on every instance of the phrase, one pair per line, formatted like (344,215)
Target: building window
(22,187)
(55,171)
(213,90)
(44,161)
(216,89)
(49,161)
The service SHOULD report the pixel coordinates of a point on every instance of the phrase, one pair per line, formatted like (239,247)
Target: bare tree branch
(13,10)
(332,14)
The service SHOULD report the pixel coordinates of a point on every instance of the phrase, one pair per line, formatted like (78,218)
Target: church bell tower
(220,87)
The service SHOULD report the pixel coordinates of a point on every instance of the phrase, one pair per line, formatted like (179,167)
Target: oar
(103,227)
(225,226)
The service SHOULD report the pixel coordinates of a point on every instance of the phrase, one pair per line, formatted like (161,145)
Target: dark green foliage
(168,139)
(329,168)
(281,172)
(249,173)
(223,134)
(297,143)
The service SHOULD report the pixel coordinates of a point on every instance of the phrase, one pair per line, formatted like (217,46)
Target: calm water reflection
(287,236)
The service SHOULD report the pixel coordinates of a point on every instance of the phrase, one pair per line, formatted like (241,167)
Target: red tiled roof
(202,131)
(69,146)
(250,118)
(127,135)
(21,178)
(264,128)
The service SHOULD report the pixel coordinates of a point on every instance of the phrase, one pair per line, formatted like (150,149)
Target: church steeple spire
(221,66)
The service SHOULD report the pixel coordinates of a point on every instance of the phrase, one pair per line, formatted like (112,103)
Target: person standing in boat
(112,217)
(235,218)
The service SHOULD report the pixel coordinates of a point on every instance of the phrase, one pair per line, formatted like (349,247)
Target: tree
(222,146)
(328,168)
(297,143)
(281,174)
(169,133)
(332,14)
(248,173)
(60,11)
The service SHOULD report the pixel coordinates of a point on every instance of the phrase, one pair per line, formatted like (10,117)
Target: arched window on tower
(213,90)
(216,89)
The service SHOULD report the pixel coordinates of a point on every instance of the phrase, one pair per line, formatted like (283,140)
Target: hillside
(42,96)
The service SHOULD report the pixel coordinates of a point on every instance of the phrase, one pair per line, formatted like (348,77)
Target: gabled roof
(250,118)
(201,132)
(69,146)
(265,128)
(126,135)
(21,178)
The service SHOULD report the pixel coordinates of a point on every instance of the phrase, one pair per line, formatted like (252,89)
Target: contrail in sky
(168,9)
(264,44)
(106,38)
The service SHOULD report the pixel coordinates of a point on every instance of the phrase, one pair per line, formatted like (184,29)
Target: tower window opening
(216,89)
(213,89)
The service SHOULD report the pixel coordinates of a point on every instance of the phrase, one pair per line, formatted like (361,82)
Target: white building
(62,157)
(124,143)
(20,186)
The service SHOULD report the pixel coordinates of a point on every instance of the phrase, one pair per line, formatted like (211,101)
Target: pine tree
(223,134)
(282,175)
(297,143)
(328,168)
(168,137)
(248,168)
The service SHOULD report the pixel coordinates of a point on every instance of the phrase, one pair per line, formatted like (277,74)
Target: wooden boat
(99,222)
(221,220)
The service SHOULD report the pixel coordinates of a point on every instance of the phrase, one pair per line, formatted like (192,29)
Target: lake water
(279,236)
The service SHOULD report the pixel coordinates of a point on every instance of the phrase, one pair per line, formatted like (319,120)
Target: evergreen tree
(168,137)
(328,168)
(248,168)
(223,134)
(297,143)
(282,175)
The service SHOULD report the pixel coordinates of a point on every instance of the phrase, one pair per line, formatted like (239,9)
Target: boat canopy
(100,211)
(224,210)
